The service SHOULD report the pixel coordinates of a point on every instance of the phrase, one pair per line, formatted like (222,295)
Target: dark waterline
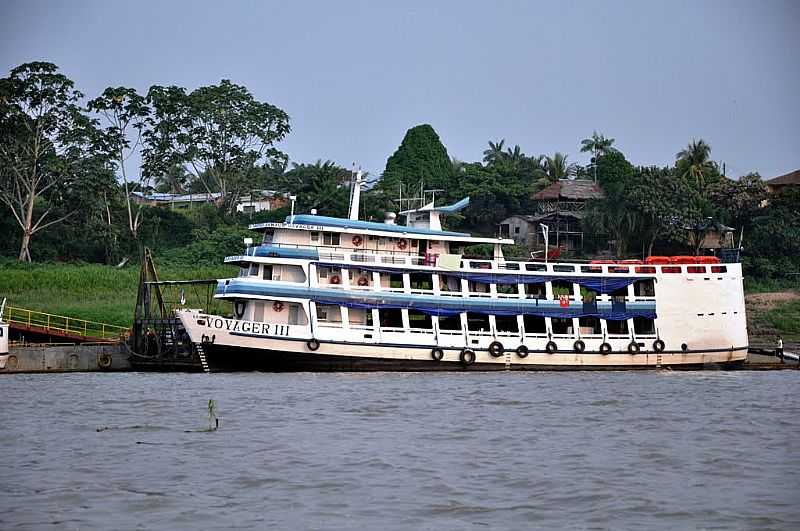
(619,450)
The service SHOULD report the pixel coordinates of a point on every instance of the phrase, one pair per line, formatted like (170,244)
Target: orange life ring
(402,244)
(357,241)
(277,306)
(362,281)
(335,279)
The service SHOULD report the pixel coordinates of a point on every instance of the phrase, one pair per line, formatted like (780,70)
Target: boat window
(478,287)
(644,288)
(619,295)
(450,322)
(268,234)
(508,289)
(478,322)
(511,266)
(456,248)
(563,268)
(392,280)
(297,314)
(258,311)
(244,270)
(562,325)
(561,287)
(535,267)
(266,272)
(419,320)
(288,273)
(253,270)
(644,326)
(329,313)
(589,326)
(330,238)
(358,316)
(480,265)
(421,281)
(534,324)
(506,323)
(449,284)
(391,318)
(535,291)
(314,237)
(617,327)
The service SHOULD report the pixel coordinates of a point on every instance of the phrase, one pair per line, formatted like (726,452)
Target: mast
(355,197)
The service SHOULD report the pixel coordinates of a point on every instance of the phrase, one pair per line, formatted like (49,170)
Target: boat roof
(316,223)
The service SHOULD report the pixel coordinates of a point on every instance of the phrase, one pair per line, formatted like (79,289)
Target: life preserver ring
(357,241)
(496,349)
(522,351)
(277,306)
(658,345)
(437,354)
(104,360)
(605,348)
(312,344)
(335,279)
(238,309)
(467,356)
(362,281)
(551,347)
(579,346)
(633,347)
(402,244)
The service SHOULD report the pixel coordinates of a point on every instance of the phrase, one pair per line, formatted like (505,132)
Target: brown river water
(616,450)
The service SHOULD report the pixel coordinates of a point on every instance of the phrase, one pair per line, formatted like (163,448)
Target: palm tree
(694,162)
(174,180)
(495,152)
(514,156)
(597,145)
(557,167)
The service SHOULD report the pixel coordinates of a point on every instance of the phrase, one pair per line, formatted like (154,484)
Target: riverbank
(89,291)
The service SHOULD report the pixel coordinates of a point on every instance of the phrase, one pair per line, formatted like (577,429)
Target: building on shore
(255,201)
(779,183)
(561,208)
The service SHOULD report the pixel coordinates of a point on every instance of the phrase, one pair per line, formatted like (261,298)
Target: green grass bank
(88,291)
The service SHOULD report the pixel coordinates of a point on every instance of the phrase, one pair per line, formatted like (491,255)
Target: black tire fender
(658,345)
(467,357)
(579,346)
(633,347)
(605,348)
(312,344)
(551,347)
(522,351)
(496,349)
(437,354)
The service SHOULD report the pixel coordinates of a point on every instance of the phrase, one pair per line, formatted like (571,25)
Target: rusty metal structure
(158,340)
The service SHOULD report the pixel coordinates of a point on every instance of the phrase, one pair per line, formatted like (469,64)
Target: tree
(48,148)
(322,185)
(218,133)
(495,152)
(597,144)
(694,163)
(126,113)
(420,157)
(556,167)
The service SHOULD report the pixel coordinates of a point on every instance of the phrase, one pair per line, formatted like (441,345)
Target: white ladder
(202,354)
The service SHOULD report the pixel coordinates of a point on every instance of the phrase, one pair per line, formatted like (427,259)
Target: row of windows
(480,322)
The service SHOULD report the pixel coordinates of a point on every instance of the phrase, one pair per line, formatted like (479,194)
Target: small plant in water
(213,421)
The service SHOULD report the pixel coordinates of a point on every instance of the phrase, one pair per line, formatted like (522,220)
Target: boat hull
(227,358)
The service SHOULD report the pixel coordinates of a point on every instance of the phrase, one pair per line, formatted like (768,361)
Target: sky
(354,76)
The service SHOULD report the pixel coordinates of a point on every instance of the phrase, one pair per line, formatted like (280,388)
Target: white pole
(546,233)
(293,198)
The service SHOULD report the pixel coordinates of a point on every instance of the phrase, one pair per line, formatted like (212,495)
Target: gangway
(25,320)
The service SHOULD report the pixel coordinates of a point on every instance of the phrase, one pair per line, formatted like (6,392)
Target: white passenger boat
(323,293)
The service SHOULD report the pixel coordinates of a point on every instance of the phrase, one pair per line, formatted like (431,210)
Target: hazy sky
(354,76)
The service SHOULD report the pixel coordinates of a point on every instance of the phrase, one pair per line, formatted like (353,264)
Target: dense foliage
(59,158)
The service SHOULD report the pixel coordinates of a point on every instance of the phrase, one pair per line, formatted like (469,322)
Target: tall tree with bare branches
(48,148)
